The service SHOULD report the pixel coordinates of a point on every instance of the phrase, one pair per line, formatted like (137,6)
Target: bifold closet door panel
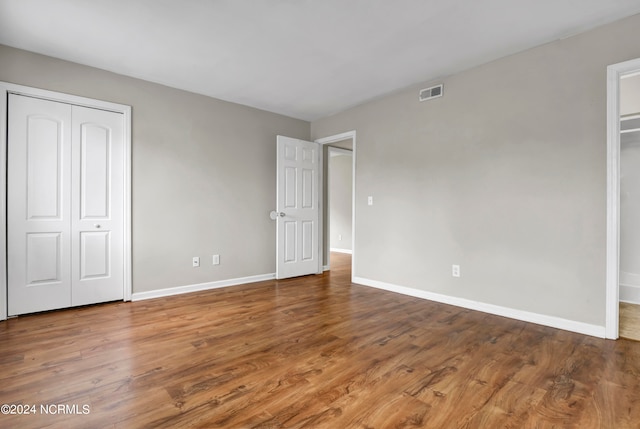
(98,212)
(38,205)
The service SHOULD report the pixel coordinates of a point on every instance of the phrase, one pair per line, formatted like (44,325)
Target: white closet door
(97,207)
(65,205)
(38,205)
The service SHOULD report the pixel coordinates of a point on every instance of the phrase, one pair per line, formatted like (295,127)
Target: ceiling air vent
(429,93)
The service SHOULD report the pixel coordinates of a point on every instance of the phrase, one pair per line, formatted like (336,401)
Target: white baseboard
(630,294)
(138,296)
(335,249)
(325,268)
(525,316)
(540,319)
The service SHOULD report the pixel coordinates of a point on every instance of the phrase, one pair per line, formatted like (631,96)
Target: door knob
(97,226)
(274,214)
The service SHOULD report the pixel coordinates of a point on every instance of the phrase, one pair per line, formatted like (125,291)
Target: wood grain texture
(630,321)
(312,352)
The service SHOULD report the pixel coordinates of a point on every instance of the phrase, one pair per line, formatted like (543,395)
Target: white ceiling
(302,58)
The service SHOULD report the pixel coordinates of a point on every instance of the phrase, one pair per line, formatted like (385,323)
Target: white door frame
(9,88)
(323,141)
(614,73)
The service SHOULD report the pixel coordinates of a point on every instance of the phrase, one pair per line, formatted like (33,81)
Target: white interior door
(65,215)
(297,208)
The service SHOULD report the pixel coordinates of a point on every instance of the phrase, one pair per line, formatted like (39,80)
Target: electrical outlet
(455,270)
(216,259)
(339,237)
(196,261)
(370,200)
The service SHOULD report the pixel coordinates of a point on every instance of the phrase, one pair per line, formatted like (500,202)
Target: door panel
(44,258)
(38,205)
(44,156)
(291,243)
(307,240)
(290,187)
(94,255)
(95,150)
(98,221)
(297,201)
(307,188)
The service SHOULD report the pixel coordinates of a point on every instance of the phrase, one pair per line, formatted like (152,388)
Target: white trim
(62,97)
(614,73)
(9,88)
(634,130)
(525,316)
(127,195)
(325,268)
(327,140)
(629,293)
(179,290)
(337,137)
(3,202)
(335,249)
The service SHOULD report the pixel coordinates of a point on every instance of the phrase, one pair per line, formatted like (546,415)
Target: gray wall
(630,95)
(203,172)
(340,199)
(504,175)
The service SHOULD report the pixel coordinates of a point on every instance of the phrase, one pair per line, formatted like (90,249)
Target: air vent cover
(432,92)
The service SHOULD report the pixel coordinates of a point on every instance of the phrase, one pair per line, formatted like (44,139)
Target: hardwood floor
(314,352)
(630,321)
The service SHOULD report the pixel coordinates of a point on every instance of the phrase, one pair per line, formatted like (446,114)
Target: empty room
(319,214)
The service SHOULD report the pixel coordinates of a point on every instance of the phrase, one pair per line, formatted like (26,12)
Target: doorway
(615,124)
(629,272)
(75,245)
(339,203)
(343,144)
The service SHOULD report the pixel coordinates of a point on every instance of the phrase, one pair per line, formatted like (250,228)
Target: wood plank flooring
(314,352)
(630,321)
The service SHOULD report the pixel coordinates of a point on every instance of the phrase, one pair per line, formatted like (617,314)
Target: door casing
(9,88)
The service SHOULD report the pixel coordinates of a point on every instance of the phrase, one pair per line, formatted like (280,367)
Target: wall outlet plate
(216,260)
(455,270)
(196,261)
